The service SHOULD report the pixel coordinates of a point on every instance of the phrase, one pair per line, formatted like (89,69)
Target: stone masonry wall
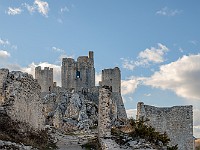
(112,78)
(104,118)
(78,74)
(176,121)
(21,94)
(3,77)
(45,78)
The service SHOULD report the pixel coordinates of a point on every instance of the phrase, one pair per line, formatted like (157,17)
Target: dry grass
(19,132)
(197,144)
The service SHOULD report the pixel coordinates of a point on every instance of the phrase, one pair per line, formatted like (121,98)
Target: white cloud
(97,78)
(13,11)
(152,55)
(181,50)
(129,86)
(168,12)
(42,6)
(196,117)
(196,130)
(30,8)
(131,113)
(196,126)
(4,42)
(128,64)
(57,49)
(64,9)
(181,76)
(147,95)
(4,54)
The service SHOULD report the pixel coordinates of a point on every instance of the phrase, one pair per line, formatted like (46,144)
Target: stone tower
(78,74)
(112,78)
(45,78)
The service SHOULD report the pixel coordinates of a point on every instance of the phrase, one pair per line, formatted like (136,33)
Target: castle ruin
(78,74)
(112,78)
(45,79)
(176,121)
(80,105)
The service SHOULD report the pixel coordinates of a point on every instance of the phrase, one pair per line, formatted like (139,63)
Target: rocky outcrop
(70,111)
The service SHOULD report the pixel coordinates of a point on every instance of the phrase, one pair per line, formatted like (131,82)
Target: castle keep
(78,74)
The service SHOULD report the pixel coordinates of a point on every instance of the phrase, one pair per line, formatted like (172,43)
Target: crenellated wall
(45,78)
(176,121)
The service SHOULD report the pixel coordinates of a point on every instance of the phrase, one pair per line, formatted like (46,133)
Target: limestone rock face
(20,98)
(70,111)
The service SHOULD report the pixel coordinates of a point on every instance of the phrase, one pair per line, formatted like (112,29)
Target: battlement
(44,78)
(176,121)
(68,60)
(78,74)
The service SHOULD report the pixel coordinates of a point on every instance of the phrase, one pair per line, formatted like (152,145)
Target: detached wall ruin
(20,98)
(176,121)
(105,109)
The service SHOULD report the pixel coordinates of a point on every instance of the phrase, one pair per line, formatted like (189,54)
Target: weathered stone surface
(176,121)
(112,78)
(45,79)
(108,144)
(73,111)
(3,77)
(78,74)
(21,98)
(105,107)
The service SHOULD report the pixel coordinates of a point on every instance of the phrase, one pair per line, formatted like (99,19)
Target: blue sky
(156,44)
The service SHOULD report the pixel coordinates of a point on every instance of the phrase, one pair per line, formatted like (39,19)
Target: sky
(156,44)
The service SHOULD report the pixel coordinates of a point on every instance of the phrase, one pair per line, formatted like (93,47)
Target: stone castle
(79,105)
(79,76)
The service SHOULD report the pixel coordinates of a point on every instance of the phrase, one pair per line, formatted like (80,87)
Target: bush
(141,130)
(19,132)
